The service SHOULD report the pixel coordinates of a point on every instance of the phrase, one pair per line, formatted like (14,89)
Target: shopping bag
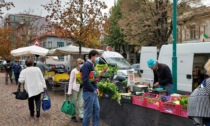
(68,107)
(46,102)
(21,95)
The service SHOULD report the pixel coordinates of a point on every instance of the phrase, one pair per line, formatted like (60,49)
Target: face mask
(81,66)
(97,60)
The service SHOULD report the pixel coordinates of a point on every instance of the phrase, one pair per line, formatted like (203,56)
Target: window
(61,58)
(50,44)
(44,44)
(192,32)
(60,44)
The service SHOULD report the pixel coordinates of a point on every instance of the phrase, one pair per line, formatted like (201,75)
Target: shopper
(75,90)
(16,69)
(43,67)
(90,91)
(199,101)
(34,84)
(162,75)
(8,71)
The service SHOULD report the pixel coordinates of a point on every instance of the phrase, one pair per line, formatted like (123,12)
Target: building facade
(194,26)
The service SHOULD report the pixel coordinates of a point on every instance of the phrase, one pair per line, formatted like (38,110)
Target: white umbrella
(69,50)
(30,51)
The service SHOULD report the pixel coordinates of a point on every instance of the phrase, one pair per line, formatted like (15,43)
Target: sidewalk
(15,112)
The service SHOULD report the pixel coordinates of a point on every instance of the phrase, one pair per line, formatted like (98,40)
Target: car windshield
(121,62)
(136,66)
(60,67)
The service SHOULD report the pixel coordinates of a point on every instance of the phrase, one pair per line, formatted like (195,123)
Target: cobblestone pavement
(15,112)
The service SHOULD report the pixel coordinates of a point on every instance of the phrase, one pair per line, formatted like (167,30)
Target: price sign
(131,78)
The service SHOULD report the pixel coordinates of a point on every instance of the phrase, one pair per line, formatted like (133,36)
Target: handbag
(21,95)
(46,102)
(68,107)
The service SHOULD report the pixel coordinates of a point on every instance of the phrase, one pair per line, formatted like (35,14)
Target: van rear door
(146,54)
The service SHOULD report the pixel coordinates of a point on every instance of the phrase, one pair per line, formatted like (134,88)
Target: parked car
(136,67)
(60,68)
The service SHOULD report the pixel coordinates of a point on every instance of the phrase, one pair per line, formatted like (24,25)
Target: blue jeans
(91,106)
(168,87)
(206,121)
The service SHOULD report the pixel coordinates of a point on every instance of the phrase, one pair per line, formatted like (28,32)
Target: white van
(117,58)
(191,58)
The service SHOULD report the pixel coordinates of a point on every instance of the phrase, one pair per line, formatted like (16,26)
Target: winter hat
(151,63)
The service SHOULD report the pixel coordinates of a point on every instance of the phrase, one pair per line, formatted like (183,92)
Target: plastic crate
(126,99)
(183,111)
(170,108)
(59,77)
(138,100)
(152,101)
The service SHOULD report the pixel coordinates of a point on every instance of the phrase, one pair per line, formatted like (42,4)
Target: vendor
(162,75)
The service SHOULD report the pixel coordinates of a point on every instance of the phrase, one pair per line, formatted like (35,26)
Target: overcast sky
(35,5)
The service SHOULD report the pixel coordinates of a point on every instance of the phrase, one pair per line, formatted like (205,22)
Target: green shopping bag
(68,107)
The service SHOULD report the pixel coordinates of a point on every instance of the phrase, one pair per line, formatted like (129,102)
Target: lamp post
(174,58)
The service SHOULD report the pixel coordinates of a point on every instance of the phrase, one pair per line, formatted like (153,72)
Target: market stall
(133,115)
(124,102)
(59,81)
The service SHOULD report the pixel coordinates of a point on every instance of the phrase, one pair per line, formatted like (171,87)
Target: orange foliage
(6,42)
(79,19)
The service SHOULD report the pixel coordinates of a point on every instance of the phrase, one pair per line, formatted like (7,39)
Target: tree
(149,22)
(6,5)
(6,42)
(114,35)
(79,18)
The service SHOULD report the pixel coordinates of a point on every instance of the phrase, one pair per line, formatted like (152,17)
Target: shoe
(37,114)
(73,119)
(80,119)
(32,113)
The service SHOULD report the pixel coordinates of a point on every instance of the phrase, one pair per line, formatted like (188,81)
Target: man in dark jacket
(90,91)
(162,75)
(8,71)
(16,69)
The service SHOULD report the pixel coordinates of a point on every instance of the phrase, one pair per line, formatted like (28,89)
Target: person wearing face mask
(90,91)
(75,90)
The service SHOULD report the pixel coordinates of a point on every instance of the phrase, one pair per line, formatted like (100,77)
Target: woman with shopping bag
(34,84)
(199,101)
(75,91)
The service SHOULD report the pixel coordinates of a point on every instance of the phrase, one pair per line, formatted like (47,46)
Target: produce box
(138,100)
(183,106)
(59,77)
(183,111)
(49,74)
(152,101)
(126,98)
(169,107)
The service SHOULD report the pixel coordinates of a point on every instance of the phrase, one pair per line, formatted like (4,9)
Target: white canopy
(30,51)
(70,50)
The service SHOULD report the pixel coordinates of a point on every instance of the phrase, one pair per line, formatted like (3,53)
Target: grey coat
(199,101)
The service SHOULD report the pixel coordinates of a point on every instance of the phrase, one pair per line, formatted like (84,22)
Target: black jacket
(163,75)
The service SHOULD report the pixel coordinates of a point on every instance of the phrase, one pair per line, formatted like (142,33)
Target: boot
(37,114)
(73,119)
(32,113)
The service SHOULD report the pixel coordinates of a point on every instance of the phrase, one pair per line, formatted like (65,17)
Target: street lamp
(174,58)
